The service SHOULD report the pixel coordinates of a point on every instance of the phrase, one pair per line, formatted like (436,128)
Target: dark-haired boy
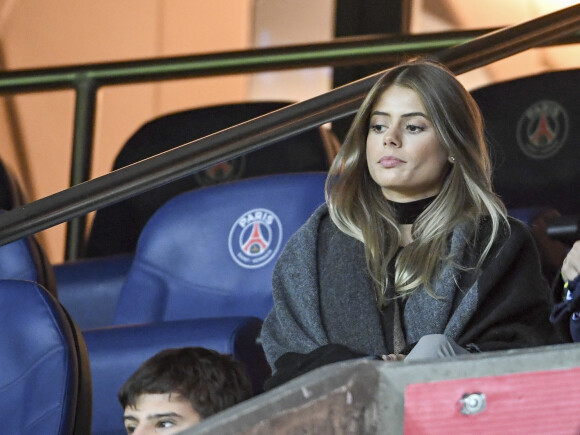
(177,388)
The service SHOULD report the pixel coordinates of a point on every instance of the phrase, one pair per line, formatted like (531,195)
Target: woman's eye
(130,429)
(414,128)
(378,128)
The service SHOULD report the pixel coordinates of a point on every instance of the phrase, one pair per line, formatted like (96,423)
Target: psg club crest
(542,129)
(255,238)
(222,172)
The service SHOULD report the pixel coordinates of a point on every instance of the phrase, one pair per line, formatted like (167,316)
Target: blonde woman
(412,256)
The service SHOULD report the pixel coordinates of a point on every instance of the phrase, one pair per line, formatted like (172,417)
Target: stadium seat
(201,276)
(11,193)
(24,259)
(45,376)
(117,352)
(532,126)
(210,252)
(89,288)
(116,228)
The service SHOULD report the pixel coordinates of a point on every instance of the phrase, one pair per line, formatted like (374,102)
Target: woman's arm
(294,335)
(294,324)
(513,308)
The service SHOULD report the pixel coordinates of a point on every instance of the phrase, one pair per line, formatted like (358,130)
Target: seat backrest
(45,374)
(117,352)
(89,288)
(24,259)
(116,228)
(533,126)
(210,252)
(11,192)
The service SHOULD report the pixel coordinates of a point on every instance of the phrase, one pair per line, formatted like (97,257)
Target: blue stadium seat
(210,252)
(201,276)
(89,288)
(116,228)
(24,259)
(116,352)
(45,374)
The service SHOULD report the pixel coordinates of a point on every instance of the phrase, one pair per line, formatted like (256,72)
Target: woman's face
(403,153)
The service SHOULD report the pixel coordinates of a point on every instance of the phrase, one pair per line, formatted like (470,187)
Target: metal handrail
(252,135)
(345,51)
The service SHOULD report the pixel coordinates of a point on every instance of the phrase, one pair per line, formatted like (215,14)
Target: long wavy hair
(358,207)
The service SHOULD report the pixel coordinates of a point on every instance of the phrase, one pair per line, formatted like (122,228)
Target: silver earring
(452,159)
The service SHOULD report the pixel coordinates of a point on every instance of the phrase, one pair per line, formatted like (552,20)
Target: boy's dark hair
(210,381)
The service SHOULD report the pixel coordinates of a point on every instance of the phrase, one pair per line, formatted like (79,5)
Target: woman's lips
(390,162)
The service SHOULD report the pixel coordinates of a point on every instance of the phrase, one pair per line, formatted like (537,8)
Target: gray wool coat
(323,295)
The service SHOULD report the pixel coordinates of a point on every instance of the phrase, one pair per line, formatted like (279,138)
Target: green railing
(461,51)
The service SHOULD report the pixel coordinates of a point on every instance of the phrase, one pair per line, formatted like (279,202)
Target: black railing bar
(174,164)
(81,161)
(199,154)
(505,42)
(340,52)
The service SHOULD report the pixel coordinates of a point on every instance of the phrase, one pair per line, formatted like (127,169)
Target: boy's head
(177,388)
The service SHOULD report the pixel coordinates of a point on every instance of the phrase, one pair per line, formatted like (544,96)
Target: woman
(412,242)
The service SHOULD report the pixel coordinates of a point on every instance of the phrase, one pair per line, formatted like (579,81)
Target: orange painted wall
(37,33)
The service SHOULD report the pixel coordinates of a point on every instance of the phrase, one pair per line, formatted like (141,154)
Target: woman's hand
(394,357)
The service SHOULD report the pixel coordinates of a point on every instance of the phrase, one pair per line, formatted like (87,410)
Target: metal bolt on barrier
(472,403)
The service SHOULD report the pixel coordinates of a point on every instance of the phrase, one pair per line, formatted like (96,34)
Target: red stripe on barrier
(542,402)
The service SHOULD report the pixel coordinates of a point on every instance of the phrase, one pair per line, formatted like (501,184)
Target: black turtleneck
(407,212)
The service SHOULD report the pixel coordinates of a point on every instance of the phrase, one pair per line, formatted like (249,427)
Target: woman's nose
(391,138)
